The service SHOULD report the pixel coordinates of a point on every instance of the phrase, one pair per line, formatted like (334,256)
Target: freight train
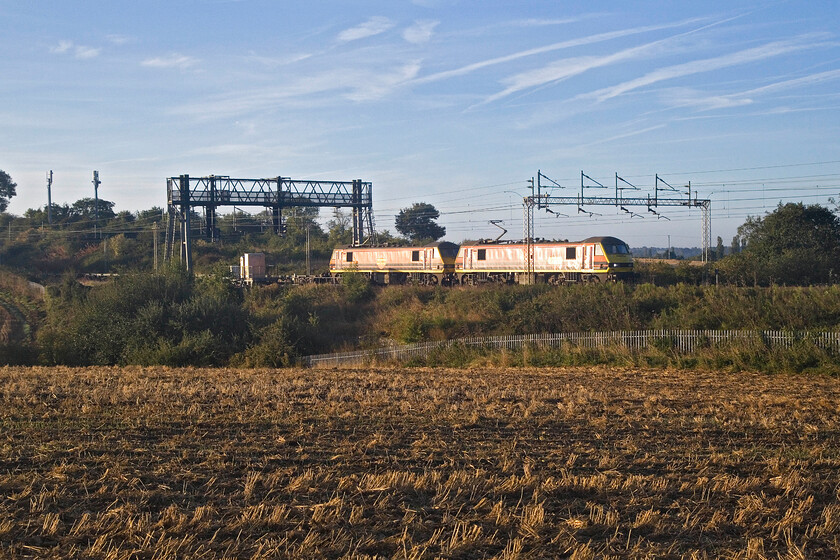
(595,259)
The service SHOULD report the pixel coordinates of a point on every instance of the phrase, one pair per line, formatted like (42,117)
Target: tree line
(795,244)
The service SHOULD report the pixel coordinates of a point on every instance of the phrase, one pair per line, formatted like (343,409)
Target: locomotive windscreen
(616,249)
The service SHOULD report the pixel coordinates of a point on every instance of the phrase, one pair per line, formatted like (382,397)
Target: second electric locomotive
(594,259)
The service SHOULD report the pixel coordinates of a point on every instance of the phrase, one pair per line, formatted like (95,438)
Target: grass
(418,463)
(746,355)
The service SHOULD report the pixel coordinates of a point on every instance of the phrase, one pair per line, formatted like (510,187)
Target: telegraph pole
(308,261)
(96,183)
(155,228)
(49,197)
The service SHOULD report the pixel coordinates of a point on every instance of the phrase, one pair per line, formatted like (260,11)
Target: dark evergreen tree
(418,223)
(7,190)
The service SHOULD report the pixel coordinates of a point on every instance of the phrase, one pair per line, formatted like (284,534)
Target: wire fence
(681,341)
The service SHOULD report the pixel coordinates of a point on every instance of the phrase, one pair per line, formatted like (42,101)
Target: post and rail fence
(680,341)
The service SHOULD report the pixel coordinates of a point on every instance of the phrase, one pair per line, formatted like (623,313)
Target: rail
(681,341)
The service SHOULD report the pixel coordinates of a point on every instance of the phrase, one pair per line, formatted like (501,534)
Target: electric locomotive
(430,265)
(594,259)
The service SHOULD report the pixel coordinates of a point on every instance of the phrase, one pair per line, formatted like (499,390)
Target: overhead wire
(797,185)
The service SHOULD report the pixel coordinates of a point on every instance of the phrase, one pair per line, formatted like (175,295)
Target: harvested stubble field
(404,463)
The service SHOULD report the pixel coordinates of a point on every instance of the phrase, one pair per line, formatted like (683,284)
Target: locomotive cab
(612,257)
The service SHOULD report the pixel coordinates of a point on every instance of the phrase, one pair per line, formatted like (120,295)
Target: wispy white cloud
(328,87)
(795,82)
(781,110)
(623,135)
(569,67)
(86,52)
(115,39)
(62,47)
(533,22)
(173,60)
(688,97)
(586,145)
(420,32)
(373,26)
(571,43)
(755,54)
(79,51)
(380,85)
(275,61)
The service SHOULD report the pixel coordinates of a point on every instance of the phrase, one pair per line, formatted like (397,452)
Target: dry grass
(579,463)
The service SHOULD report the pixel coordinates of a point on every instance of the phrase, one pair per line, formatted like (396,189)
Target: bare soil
(417,463)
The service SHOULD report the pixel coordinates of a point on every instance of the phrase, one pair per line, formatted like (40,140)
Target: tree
(418,222)
(37,216)
(721,251)
(86,209)
(736,245)
(795,244)
(7,190)
(340,228)
(153,214)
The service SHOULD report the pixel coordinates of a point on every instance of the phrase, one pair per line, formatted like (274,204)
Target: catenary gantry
(624,203)
(185,193)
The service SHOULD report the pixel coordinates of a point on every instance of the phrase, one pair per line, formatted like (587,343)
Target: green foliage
(665,274)
(294,321)
(356,286)
(418,223)
(87,208)
(752,355)
(793,245)
(175,319)
(7,190)
(166,319)
(340,229)
(18,354)
(274,348)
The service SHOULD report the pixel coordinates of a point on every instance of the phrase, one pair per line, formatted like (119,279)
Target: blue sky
(455,103)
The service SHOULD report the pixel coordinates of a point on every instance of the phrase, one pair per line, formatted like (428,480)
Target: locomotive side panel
(558,257)
(490,258)
(592,259)
(386,265)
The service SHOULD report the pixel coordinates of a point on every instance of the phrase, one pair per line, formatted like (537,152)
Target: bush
(166,319)
(356,286)
(15,354)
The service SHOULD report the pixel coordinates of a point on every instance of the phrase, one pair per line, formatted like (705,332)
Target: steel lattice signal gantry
(184,193)
(620,201)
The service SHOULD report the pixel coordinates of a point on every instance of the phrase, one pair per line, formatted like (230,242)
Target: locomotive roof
(605,239)
(438,244)
(601,239)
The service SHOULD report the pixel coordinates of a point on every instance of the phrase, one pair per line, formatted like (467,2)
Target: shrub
(356,286)
(144,318)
